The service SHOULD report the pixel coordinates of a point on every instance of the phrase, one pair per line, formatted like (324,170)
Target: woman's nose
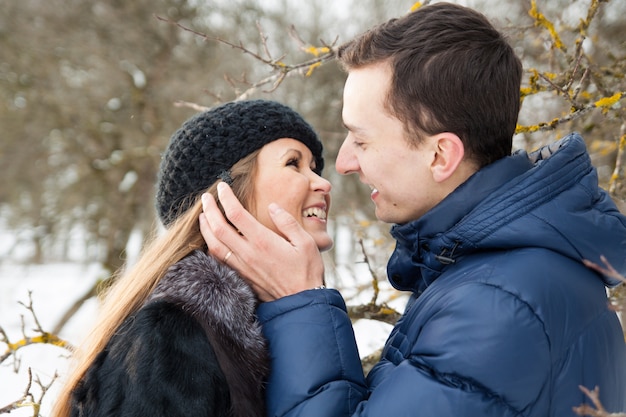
(320,183)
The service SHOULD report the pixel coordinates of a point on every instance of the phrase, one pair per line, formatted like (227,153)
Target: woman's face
(285,176)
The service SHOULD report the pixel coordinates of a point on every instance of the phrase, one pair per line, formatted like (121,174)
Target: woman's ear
(449,155)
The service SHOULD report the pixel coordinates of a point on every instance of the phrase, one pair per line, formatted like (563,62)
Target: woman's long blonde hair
(131,288)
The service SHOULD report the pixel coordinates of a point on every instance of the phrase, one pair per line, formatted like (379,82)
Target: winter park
(455,171)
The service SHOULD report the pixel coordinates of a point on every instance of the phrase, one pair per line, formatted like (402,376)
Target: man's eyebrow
(352,128)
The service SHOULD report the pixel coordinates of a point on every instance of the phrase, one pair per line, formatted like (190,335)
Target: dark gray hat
(211,142)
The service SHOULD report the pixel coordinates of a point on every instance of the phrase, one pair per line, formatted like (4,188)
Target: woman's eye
(293,162)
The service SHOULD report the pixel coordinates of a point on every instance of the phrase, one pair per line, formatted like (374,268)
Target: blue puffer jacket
(504,319)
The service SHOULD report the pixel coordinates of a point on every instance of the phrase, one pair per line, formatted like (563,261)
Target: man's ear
(449,153)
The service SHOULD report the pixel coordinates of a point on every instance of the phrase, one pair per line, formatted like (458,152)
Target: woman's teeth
(315,212)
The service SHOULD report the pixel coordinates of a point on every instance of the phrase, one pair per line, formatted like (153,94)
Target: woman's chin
(324,243)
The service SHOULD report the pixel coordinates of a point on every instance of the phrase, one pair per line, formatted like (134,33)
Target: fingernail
(204,200)
(221,186)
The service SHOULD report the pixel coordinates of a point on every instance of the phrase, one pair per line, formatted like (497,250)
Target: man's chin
(383,216)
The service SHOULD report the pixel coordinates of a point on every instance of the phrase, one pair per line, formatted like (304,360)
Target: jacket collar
(425,246)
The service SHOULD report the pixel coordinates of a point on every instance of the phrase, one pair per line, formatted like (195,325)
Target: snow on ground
(54,288)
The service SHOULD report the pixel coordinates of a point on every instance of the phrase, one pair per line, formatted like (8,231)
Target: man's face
(377,150)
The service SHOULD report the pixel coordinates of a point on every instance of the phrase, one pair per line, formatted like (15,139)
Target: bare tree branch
(554,123)
(608,270)
(598,411)
(280,70)
(42,337)
(20,401)
(28,398)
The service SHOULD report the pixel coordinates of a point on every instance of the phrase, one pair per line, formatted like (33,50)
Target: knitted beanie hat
(210,143)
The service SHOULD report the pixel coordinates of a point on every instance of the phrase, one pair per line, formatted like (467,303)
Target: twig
(370,360)
(280,69)
(565,90)
(617,299)
(374,312)
(372,273)
(21,402)
(552,124)
(371,310)
(579,57)
(264,43)
(194,106)
(598,411)
(609,271)
(42,335)
(28,398)
(580,84)
(213,38)
(616,187)
(30,308)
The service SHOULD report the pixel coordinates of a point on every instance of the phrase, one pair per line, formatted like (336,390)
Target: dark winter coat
(505,320)
(194,349)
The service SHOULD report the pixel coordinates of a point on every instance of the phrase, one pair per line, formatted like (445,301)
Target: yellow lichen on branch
(317,50)
(312,68)
(526,91)
(540,126)
(593,9)
(534,86)
(606,103)
(541,20)
(45,338)
(42,337)
(416,6)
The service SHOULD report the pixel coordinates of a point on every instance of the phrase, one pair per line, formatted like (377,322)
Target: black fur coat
(194,349)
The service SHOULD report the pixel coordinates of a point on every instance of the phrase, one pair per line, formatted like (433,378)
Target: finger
(236,213)
(211,211)
(207,233)
(289,226)
(221,236)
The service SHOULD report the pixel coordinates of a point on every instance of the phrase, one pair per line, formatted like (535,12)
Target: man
(504,320)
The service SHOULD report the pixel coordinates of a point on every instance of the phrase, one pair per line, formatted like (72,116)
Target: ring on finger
(230,252)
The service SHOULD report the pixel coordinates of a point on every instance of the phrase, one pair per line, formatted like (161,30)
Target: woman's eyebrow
(289,150)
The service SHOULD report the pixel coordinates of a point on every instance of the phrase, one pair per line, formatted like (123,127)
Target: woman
(178,335)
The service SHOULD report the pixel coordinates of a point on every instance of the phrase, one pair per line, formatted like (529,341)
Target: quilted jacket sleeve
(315,366)
(452,355)
(159,363)
(452,368)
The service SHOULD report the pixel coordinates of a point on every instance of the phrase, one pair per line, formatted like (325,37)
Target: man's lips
(374,193)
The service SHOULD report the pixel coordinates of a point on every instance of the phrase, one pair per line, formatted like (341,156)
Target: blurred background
(90,92)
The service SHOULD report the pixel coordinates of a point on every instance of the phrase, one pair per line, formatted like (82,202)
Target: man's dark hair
(452,72)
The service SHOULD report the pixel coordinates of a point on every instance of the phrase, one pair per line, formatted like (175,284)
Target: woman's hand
(274,266)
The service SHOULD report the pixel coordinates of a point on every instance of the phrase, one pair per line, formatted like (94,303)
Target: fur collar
(224,304)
